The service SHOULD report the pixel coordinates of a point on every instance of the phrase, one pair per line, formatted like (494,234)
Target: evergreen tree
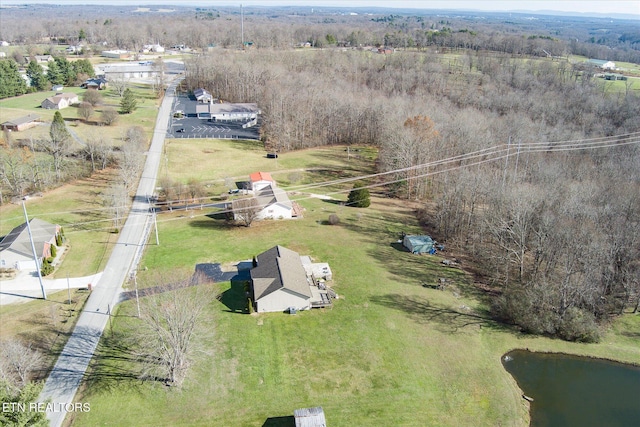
(26,396)
(83,66)
(68,73)
(58,130)
(11,82)
(59,143)
(359,197)
(54,74)
(35,72)
(128,103)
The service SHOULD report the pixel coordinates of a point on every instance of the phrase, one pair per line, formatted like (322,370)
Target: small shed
(419,244)
(310,417)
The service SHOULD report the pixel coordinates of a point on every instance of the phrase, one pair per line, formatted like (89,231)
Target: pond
(576,391)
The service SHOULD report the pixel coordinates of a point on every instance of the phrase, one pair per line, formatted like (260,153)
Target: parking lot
(190,126)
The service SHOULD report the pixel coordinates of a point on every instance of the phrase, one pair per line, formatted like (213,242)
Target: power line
(490,154)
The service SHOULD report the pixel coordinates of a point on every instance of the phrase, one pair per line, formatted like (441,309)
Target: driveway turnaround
(63,381)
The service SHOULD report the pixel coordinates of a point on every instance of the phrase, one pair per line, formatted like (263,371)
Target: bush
(359,197)
(109,116)
(92,97)
(578,325)
(522,305)
(334,219)
(46,268)
(54,251)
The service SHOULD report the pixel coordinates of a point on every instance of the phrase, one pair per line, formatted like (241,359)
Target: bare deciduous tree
(18,361)
(98,150)
(116,199)
(92,96)
(170,318)
(245,210)
(85,110)
(109,116)
(119,84)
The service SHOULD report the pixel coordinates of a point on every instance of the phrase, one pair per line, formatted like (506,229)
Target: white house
(43,59)
(60,101)
(202,95)
(279,281)
(15,247)
(152,48)
(274,204)
(605,65)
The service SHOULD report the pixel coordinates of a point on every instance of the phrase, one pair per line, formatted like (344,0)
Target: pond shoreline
(556,386)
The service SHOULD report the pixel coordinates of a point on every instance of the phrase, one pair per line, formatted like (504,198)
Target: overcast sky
(600,6)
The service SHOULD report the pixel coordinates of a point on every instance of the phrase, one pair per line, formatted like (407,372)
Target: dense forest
(518,157)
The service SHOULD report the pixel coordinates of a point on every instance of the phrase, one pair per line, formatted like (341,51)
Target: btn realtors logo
(45,407)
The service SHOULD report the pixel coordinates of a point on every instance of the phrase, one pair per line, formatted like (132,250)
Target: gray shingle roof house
(279,281)
(15,247)
(60,101)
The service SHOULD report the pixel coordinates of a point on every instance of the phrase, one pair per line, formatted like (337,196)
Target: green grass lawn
(390,351)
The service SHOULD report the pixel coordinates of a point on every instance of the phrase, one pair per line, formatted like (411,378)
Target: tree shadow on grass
(115,365)
(448,319)
(289,421)
(217,221)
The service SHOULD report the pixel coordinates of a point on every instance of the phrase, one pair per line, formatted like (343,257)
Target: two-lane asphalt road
(62,384)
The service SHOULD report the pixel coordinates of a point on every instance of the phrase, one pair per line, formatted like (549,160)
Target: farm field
(390,351)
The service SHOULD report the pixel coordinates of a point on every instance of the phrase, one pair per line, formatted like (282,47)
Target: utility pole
(242,25)
(515,174)
(155,226)
(135,281)
(33,248)
(109,314)
(506,162)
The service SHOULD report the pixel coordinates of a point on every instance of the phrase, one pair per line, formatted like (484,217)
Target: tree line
(278,28)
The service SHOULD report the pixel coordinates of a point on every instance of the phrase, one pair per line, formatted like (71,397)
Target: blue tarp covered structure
(419,244)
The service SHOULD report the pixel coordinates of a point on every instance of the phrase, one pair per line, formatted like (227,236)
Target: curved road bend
(63,381)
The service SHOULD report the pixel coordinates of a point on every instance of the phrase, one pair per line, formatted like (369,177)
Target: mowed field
(390,351)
